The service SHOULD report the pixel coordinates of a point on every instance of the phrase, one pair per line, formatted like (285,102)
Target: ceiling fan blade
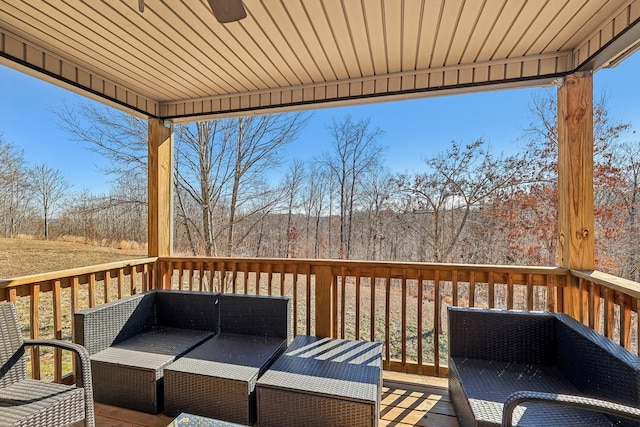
(227,10)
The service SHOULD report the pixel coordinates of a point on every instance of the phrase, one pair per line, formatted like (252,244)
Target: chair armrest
(85,367)
(580,402)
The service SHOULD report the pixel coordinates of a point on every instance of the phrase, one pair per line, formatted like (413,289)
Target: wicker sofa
(132,340)
(547,367)
(217,379)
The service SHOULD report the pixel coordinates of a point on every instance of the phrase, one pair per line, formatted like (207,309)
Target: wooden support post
(575,183)
(324,301)
(160,219)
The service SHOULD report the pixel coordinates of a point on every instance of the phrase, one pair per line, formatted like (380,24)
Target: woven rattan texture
(12,361)
(516,402)
(266,316)
(39,403)
(488,384)
(130,374)
(188,310)
(328,382)
(133,339)
(484,370)
(99,327)
(190,420)
(27,402)
(527,338)
(597,355)
(217,379)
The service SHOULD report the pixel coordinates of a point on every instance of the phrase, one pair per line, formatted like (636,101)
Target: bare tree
(258,141)
(355,151)
(222,166)
(50,187)
(203,170)
(293,182)
(458,180)
(13,188)
(115,135)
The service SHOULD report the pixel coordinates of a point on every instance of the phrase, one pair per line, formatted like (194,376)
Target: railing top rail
(63,274)
(628,287)
(378,264)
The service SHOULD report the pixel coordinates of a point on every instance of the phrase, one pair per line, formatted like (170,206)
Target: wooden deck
(407,400)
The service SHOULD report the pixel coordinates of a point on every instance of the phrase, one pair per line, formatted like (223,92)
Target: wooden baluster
(258,277)
(343,293)
(308,298)
(636,307)
(133,273)
(234,277)
(324,301)
(92,290)
(211,275)
(120,283)
(387,318)
(245,277)
(583,290)
(403,314)
(625,321)
(437,320)
(551,306)
(357,332)
(282,279)
(270,279)
(181,276)
(223,278)
(295,301)
(591,306)
(609,322)
(419,315)
(472,289)
(372,309)
(509,291)
(57,331)
(454,287)
(35,329)
(491,290)
(200,276)
(529,292)
(191,273)
(105,283)
(75,308)
(559,294)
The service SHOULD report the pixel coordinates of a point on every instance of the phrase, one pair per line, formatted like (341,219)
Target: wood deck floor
(407,400)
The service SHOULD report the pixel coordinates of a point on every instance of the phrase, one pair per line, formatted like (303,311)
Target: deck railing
(46,303)
(402,305)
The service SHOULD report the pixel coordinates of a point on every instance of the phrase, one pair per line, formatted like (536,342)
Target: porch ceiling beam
(615,40)
(529,71)
(36,61)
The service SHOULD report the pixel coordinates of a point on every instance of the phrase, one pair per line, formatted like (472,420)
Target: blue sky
(413,129)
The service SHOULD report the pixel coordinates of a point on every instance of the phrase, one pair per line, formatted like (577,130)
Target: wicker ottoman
(217,379)
(322,382)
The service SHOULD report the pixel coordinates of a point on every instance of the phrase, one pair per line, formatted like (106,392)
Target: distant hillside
(21,257)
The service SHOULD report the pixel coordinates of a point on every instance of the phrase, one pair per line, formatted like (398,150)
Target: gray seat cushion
(487,385)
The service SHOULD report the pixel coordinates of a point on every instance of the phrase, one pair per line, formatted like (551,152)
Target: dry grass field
(24,256)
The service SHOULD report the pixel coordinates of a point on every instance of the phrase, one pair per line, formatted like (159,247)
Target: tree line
(467,204)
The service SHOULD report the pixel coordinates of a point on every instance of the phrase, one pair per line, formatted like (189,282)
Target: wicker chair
(538,369)
(28,402)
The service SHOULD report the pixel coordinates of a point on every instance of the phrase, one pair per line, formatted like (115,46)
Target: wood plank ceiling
(175,61)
